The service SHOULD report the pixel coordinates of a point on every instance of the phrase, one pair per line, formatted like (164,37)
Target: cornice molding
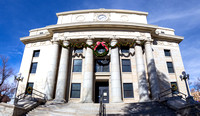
(102,11)
(102,25)
(45,36)
(161,36)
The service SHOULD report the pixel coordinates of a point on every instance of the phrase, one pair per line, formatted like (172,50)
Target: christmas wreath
(29,90)
(174,87)
(101,45)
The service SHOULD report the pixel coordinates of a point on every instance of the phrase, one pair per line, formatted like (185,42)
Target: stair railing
(39,94)
(34,92)
(165,93)
(102,108)
(169,92)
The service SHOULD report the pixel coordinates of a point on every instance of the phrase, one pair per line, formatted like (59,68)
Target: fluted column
(116,93)
(155,90)
(62,74)
(53,66)
(142,82)
(88,74)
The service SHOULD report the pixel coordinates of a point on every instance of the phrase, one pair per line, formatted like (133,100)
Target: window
(128,90)
(78,50)
(174,87)
(126,65)
(33,67)
(162,32)
(75,90)
(124,49)
(77,65)
(29,88)
(170,67)
(102,65)
(167,52)
(101,49)
(36,53)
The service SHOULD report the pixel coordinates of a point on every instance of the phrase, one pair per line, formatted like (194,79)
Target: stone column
(142,82)
(116,94)
(53,66)
(155,90)
(88,74)
(62,74)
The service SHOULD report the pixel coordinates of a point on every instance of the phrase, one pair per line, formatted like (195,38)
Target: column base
(116,101)
(59,101)
(87,101)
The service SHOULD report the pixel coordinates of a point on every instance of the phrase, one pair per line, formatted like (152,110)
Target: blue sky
(17,17)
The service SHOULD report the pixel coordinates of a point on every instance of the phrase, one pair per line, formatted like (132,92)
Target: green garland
(84,45)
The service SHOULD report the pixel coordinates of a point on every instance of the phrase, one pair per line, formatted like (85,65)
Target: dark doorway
(101,88)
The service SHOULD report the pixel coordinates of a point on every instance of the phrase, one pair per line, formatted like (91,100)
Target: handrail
(160,95)
(178,92)
(45,96)
(102,109)
(22,95)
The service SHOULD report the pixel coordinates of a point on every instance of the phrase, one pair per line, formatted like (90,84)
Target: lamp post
(184,77)
(18,78)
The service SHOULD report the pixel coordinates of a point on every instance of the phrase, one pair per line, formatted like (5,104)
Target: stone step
(92,109)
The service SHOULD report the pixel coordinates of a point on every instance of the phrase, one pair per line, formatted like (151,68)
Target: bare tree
(195,91)
(197,84)
(5,87)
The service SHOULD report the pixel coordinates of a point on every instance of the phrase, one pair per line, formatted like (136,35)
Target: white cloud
(176,15)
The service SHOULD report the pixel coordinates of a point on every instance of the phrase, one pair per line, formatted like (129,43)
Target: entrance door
(102,90)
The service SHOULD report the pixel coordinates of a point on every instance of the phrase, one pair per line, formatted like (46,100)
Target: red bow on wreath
(102,43)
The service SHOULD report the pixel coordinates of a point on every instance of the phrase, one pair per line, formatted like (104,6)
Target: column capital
(65,42)
(148,42)
(114,41)
(89,41)
(138,42)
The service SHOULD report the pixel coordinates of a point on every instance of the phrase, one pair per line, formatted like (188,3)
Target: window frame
(128,90)
(124,49)
(125,65)
(102,66)
(33,70)
(167,52)
(79,90)
(170,68)
(34,53)
(174,92)
(29,84)
(77,49)
(74,66)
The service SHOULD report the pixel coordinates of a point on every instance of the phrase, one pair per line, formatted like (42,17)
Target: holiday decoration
(101,49)
(29,90)
(174,87)
(99,46)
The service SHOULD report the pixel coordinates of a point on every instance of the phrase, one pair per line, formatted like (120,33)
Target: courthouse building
(103,52)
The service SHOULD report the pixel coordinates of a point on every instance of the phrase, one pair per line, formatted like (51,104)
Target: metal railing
(39,94)
(35,94)
(169,92)
(102,108)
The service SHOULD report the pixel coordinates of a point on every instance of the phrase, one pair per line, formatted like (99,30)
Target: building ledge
(102,10)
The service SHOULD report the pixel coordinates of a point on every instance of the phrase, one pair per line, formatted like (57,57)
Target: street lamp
(184,77)
(18,78)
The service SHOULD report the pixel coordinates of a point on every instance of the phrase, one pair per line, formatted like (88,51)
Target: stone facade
(149,73)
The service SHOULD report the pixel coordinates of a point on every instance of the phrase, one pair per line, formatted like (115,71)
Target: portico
(89,91)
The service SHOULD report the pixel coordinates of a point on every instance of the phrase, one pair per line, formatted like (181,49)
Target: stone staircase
(26,104)
(92,109)
(181,106)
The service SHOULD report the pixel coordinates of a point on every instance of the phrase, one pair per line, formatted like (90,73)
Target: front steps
(26,104)
(92,109)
